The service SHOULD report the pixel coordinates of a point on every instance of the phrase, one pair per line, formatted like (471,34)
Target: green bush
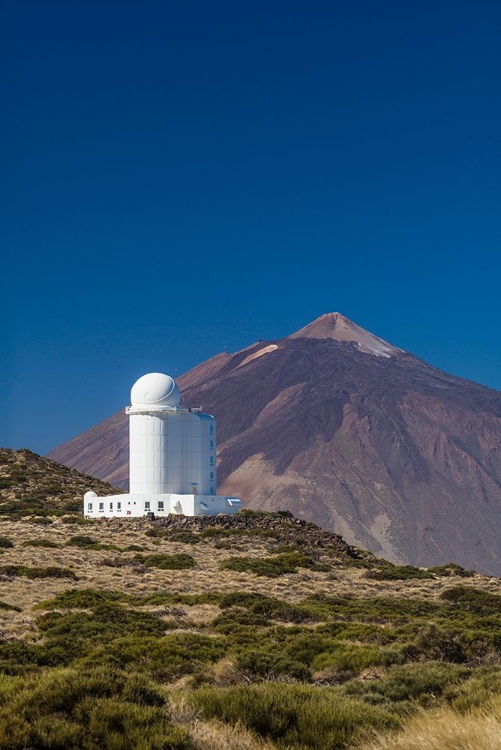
(5,543)
(49,572)
(272,567)
(81,540)
(167,562)
(82,599)
(298,717)
(88,709)
(164,659)
(87,542)
(186,537)
(374,610)
(41,543)
(477,692)
(473,600)
(436,644)
(80,520)
(106,621)
(263,606)
(214,532)
(271,665)
(451,569)
(423,683)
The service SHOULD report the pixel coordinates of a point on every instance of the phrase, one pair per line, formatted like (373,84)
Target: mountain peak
(336,326)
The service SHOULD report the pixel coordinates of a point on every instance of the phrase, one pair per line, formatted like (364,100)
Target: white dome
(155,391)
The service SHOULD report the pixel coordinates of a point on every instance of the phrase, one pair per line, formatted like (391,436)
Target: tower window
(212,475)
(101,507)
(119,506)
(89,507)
(212,460)
(212,428)
(212,443)
(147,505)
(111,506)
(160,505)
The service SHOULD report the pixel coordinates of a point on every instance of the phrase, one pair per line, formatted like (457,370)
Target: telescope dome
(155,391)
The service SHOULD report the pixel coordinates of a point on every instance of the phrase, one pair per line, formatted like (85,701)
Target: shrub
(13,607)
(451,569)
(49,572)
(167,562)
(473,599)
(158,598)
(436,644)
(374,610)
(271,665)
(107,621)
(293,716)
(272,567)
(80,520)
(87,542)
(409,682)
(265,607)
(165,659)
(186,537)
(216,532)
(5,543)
(478,691)
(88,709)
(41,543)
(81,541)
(82,599)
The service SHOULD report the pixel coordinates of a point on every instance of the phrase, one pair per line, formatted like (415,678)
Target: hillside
(238,632)
(31,484)
(350,432)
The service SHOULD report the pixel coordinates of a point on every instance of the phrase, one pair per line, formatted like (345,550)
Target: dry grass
(92,571)
(444,730)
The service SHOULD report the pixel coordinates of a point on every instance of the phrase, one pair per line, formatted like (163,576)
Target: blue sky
(183,177)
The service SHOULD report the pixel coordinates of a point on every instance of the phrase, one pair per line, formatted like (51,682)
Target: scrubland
(251,632)
(131,634)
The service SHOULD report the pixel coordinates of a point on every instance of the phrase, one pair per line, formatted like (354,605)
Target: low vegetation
(269,634)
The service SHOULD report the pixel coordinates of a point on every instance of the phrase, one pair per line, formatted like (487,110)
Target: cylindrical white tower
(172,450)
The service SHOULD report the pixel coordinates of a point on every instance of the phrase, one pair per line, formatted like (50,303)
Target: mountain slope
(31,484)
(346,430)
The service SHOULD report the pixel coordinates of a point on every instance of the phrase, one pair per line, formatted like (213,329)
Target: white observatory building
(172,466)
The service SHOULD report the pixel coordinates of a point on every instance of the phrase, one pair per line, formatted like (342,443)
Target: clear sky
(181,177)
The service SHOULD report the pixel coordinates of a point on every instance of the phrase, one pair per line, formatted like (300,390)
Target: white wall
(135,505)
(172,452)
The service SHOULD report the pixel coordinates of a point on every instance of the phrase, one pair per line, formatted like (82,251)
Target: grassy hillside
(33,485)
(255,631)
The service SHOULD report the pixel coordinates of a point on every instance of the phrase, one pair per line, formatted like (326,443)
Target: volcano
(346,430)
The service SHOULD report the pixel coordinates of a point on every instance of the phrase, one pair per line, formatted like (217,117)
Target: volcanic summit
(351,432)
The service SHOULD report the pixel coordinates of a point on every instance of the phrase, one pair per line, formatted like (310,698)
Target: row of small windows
(147,506)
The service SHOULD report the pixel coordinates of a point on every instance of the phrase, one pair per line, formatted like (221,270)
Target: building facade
(172,458)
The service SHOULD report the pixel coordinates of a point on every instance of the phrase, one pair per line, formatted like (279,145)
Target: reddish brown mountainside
(346,430)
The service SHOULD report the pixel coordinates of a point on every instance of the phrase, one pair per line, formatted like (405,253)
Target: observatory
(172,458)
